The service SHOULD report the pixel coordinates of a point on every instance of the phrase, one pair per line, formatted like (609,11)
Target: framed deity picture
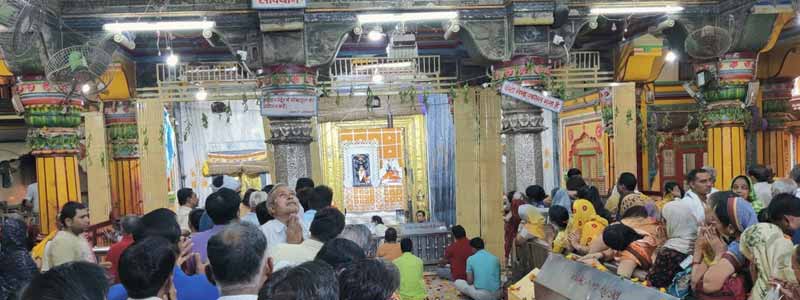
(361,173)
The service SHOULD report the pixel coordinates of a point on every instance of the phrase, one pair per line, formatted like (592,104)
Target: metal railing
(580,60)
(582,71)
(343,69)
(194,72)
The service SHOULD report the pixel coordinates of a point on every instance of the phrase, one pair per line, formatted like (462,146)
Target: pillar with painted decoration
(290,133)
(775,148)
(725,115)
(522,123)
(123,141)
(53,122)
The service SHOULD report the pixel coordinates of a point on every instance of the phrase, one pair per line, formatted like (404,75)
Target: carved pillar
(522,124)
(777,140)
(123,140)
(291,133)
(53,123)
(725,117)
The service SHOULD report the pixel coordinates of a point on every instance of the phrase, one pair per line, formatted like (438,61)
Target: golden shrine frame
(330,155)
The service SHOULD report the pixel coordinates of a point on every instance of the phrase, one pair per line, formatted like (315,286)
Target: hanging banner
(530,96)
(278,4)
(289,106)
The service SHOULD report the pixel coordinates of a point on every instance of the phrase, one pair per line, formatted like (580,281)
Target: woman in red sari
(511,206)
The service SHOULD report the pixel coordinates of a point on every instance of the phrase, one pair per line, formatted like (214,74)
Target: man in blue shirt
(483,274)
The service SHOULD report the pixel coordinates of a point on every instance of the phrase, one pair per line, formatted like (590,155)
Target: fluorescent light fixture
(172,60)
(630,10)
(201,95)
(546,93)
(395,65)
(159,26)
(407,17)
(671,56)
(86,88)
(375,36)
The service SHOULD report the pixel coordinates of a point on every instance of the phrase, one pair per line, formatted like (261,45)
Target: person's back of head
(637,211)
(246,197)
(74,281)
(262,212)
(257,198)
(783,186)
(535,193)
(160,222)
(328,223)
(575,183)
(313,280)
(223,206)
(574,172)
(146,266)
(760,173)
(377,220)
(558,215)
(458,232)
(339,252)
(390,236)
(406,245)
(627,181)
(794,174)
(324,196)
(184,195)
(476,243)
(358,233)
(237,256)
(267,188)
(619,236)
(306,197)
(303,183)
(368,279)
(130,224)
(194,218)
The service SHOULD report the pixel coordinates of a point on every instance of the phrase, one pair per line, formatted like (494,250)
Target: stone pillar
(725,118)
(123,140)
(777,139)
(290,135)
(522,123)
(53,123)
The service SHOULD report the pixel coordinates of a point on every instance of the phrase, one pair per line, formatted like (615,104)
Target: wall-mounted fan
(79,70)
(708,42)
(22,42)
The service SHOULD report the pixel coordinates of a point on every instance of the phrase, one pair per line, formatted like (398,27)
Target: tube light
(635,10)
(86,88)
(201,95)
(407,17)
(396,65)
(172,60)
(159,26)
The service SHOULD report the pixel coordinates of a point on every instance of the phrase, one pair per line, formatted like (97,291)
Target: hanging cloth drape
(441,159)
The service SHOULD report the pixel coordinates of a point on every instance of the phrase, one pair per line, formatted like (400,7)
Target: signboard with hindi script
(289,106)
(278,4)
(531,96)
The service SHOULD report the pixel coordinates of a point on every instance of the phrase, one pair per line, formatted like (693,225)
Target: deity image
(391,173)
(361,175)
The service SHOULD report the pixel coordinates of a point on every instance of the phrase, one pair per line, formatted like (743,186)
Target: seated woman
(681,233)
(559,217)
(743,187)
(532,225)
(717,264)
(630,247)
(585,226)
(593,195)
(771,252)
(637,218)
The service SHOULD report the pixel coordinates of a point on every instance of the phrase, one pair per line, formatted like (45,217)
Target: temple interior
(429,115)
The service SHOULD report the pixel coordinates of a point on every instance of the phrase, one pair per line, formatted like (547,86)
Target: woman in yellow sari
(585,226)
(532,225)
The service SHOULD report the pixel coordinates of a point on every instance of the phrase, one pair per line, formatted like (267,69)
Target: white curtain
(242,133)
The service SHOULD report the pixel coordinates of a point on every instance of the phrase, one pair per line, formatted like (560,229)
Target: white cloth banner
(531,96)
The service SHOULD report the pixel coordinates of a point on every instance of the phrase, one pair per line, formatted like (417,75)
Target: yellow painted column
(625,145)
(724,117)
(123,141)
(152,161)
(491,172)
(777,139)
(53,121)
(96,164)
(465,116)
